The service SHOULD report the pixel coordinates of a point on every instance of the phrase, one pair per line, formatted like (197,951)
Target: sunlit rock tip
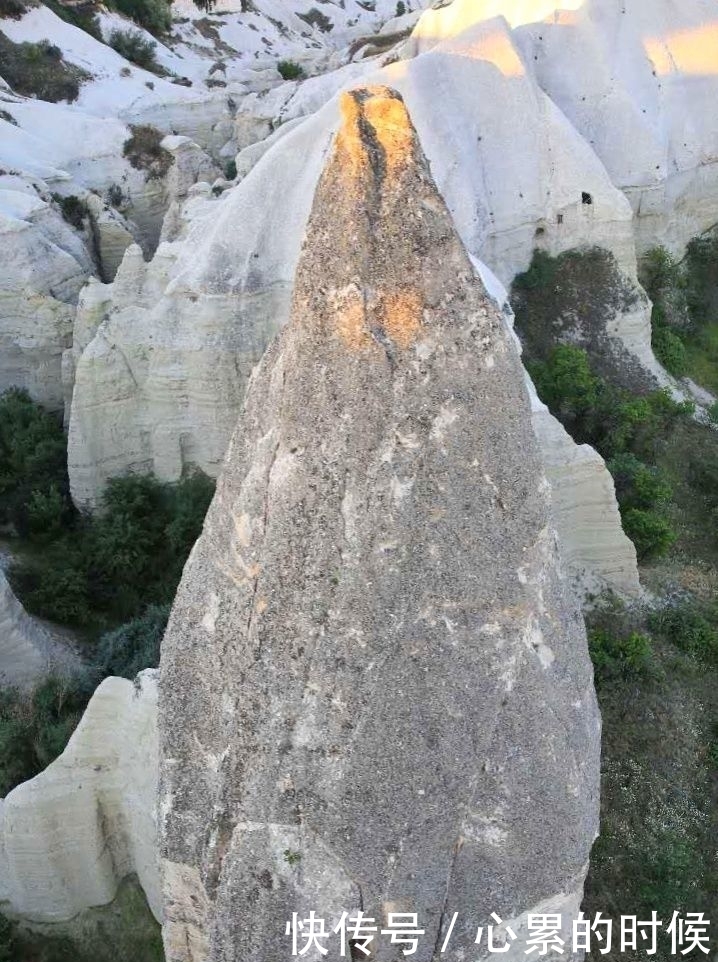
(374,692)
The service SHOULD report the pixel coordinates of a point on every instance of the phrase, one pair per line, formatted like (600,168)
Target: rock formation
(596,555)
(513,171)
(44,266)
(645,101)
(374,692)
(28,647)
(72,833)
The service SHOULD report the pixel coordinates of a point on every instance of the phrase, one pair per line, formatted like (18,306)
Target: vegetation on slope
(39,70)
(135,47)
(656,666)
(111,575)
(123,930)
(153,15)
(144,151)
(685,309)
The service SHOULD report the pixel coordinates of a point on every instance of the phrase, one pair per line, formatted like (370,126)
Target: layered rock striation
(375,692)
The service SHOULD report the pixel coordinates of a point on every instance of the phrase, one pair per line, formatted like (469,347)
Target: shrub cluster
(685,300)
(135,47)
(625,429)
(34,730)
(12,9)
(89,570)
(38,70)
(144,151)
(618,656)
(73,209)
(692,627)
(34,491)
(106,568)
(315,18)
(83,18)
(112,574)
(153,15)
(289,70)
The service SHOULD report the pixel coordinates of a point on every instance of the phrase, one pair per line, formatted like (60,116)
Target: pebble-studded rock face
(374,692)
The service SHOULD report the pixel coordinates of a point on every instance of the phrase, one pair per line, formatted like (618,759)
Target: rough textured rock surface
(29,649)
(72,833)
(45,264)
(371,663)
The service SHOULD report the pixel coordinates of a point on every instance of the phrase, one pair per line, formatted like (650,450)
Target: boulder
(375,692)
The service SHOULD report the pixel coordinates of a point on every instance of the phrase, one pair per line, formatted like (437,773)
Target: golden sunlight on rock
(495,48)
(689,52)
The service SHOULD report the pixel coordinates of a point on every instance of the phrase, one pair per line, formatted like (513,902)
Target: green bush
(135,47)
(73,209)
(33,471)
(38,70)
(13,9)
(689,628)
(400,8)
(614,656)
(84,19)
(701,270)
(669,349)
(703,475)
(230,169)
(596,412)
(650,532)
(660,273)
(627,429)
(541,275)
(135,645)
(567,385)
(153,15)
(639,485)
(289,70)
(55,585)
(8,950)
(315,18)
(106,568)
(47,514)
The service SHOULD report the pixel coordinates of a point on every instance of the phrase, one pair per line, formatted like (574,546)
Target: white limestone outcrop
(596,555)
(639,81)
(45,264)
(29,648)
(72,833)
